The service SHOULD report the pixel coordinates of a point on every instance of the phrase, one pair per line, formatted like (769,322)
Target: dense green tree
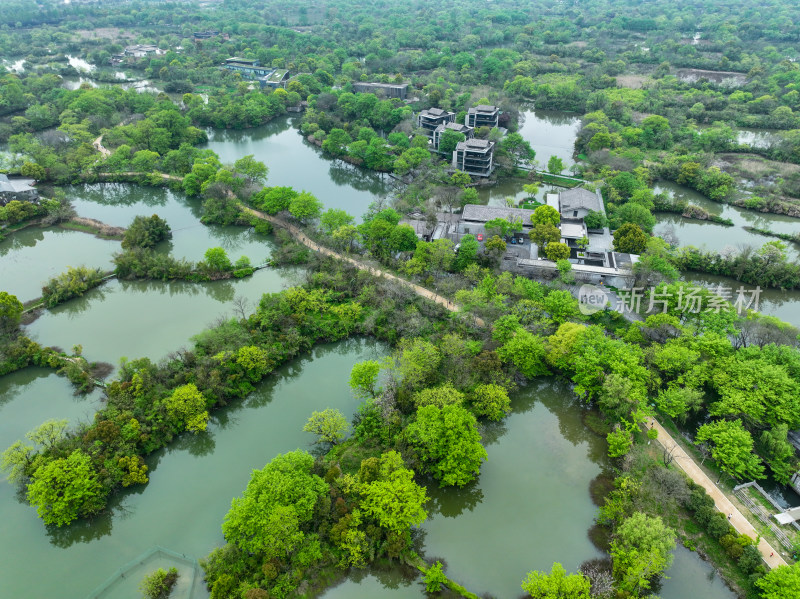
(250,168)
(526,352)
(556,251)
(329,425)
(305,207)
(217,260)
(467,252)
(159,584)
(503,226)
(556,585)
(619,442)
(449,140)
(364,378)
(275,199)
(544,234)
(10,312)
(630,239)
(490,400)
(555,165)
(65,489)
(731,448)
(778,452)
(186,406)
(333,218)
(443,395)
(641,551)
(780,583)
(15,461)
(416,363)
(279,498)
(679,402)
(595,220)
(517,148)
(546,215)
(392,497)
(633,213)
(448,443)
(146,232)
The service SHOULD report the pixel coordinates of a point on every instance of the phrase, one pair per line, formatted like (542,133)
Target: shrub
(73,283)
(159,584)
(435,578)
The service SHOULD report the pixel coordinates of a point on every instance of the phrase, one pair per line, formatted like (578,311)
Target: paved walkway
(740,523)
(722,503)
(98,145)
(306,241)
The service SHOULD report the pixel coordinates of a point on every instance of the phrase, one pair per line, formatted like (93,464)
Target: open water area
(530,507)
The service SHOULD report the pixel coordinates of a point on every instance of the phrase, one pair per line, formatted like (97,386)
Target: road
(772,557)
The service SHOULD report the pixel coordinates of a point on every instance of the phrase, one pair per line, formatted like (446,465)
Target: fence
(741,493)
(124,582)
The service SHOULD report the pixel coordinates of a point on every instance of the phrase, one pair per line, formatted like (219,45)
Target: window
(466,230)
(574,213)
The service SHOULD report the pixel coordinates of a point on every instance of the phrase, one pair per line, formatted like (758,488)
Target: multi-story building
(433,117)
(457,127)
(248,68)
(390,90)
(482,116)
(474,157)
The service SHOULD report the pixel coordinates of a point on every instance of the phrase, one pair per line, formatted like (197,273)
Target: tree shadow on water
(198,444)
(451,502)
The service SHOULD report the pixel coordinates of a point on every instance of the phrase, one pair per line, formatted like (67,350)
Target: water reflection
(296,163)
(717,237)
(80,556)
(31,256)
(551,133)
(539,472)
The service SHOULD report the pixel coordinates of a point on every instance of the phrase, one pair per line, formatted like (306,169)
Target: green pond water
(296,163)
(30,257)
(720,239)
(191,483)
(530,507)
(717,237)
(551,133)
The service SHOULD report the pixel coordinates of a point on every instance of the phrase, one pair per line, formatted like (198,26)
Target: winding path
(772,558)
(98,145)
(306,241)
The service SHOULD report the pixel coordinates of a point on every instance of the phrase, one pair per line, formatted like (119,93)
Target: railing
(129,571)
(741,493)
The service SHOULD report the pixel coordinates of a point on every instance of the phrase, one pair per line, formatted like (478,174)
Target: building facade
(482,116)
(475,157)
(249,69)
(390,90)
(458,128)
(431,118)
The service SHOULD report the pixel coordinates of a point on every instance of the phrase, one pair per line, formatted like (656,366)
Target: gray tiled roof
(572,199)
(483,108)
(434,111)
(482,214)
(472,144)
(13,186)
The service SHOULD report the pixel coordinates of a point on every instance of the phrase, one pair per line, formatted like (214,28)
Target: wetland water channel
(530,507)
